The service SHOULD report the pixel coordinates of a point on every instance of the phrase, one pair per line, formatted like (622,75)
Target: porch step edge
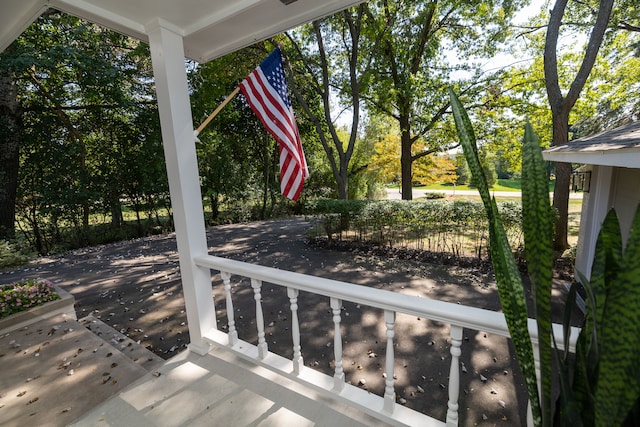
(131,349)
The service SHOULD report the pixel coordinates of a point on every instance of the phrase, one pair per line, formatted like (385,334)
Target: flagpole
(217,110)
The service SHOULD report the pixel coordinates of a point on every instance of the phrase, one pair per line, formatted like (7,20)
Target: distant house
(611,179)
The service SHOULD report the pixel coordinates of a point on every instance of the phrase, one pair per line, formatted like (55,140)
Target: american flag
(268,96)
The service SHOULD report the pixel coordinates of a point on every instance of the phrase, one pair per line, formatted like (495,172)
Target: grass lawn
(501,185)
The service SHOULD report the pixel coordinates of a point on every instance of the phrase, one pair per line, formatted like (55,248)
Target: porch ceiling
(211,28)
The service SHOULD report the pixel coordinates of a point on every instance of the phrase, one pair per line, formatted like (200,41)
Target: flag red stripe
(290,174)
(277,117)
(289,187)
(279,123)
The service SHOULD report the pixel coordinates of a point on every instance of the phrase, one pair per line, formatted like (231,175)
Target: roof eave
(25,17)
(220,29)
(621,158)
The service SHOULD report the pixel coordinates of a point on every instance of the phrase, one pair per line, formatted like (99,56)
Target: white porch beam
(167,55)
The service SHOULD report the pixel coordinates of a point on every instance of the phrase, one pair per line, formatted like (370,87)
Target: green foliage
(600,386)
(330,206)
(13,254)
(508,278)
(91,130)
(409,43)
(456,228)
(487,161)
(606,386)
(335,214)
(24,295)
(538,227)
(462,170)
(237,159)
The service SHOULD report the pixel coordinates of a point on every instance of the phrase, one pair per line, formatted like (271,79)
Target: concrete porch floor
(60,371)
(55,370)
(221,390)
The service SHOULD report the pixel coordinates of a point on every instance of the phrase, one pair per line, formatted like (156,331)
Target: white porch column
(167,55)
(595,206)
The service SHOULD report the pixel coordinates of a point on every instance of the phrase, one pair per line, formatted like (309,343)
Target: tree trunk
(561,105)
(116,213)
(35,228)
(10,138)
(406,166)
(561,204)
(406,142)
(84,180)
(563,177)
(137,207)
(215,207)
(266,173)
(342,181)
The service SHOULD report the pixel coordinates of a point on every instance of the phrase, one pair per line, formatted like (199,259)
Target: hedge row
(458,228)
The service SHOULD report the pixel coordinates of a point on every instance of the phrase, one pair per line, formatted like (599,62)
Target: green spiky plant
(600,386)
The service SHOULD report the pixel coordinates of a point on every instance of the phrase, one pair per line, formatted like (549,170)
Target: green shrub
(452,227)
(11,254)
(331,206)
(434,195)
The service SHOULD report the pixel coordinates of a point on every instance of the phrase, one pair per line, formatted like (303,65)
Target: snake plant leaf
(538,228)
(587,357)
(618,387)
(467,137)
(567,410)
(570,306)
(633,418)
(606,262)
(606,265)
(506,270)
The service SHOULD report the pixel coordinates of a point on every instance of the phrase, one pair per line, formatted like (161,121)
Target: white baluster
(454,376)
(295,330)
(389,390)
(338,376)
(232,333)
(262,343)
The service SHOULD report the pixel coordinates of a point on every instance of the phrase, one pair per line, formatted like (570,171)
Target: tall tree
(412,41)
(80,90)
(561,104)
(10,141)
(612,93)
(329,60)
(610,96)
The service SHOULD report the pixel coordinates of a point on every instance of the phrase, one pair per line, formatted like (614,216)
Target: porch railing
(456,316)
